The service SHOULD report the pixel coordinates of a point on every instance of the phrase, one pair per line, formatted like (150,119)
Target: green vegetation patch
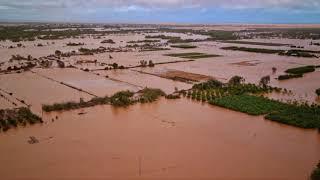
(299,53)
(192,55)
(150,95)
(119,99)
(155,49)
(255,50)
(76,105)
(232,88)
(122,98)
(301,70)
(179,40)
(289,76)
(297,72)
(253,105)
(242,97)
(293,52)
(173,96)
(184,46)
(144,41)
(12,118)
(255,43)
(303,116)
(74,44)
(162,37)
(221,35)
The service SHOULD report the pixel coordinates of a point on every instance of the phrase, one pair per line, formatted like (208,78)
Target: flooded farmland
(159,103)
(171,138)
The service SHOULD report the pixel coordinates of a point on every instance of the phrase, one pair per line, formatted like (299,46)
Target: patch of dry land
(104,102)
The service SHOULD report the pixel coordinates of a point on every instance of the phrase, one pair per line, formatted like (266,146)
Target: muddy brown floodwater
(166,139)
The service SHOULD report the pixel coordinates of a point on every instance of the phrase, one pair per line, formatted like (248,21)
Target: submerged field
(135,103)
(166,136)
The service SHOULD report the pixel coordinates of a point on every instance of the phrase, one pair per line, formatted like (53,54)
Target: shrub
(122,98)
(76,105)
(301,70)
(58,53)
(13,117)
(297,53)
(315,175)
(236,80)
(208,85)
(74,44)
(110,41)
(264,81)
(115,66)
(184,46)
(150,95)
(192,55)
(289,76)
(255,50)
(151,64)
(60,64)
(318,92)
(143,63)
(173,96)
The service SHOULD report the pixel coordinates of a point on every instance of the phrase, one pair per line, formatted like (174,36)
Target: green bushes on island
(119,99)
(236,80)
(109,41)
(208,85)
(184,46)
(192,55)
(253,105)
(161,37)
(301,70)
(255,43)
(239,96)
(220,35)
(255,50)
(11,118)
(213,89)
(300,115)
(173,39)
(173,96)
(86,51)
(298,53)
(149,95)
(303,116)
(76,105)
(122,98)
(297,72)
(144,41)
(75,44)
(144,63)
(292,52)
(289,76)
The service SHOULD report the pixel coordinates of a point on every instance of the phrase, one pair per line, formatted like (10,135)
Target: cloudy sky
(162,11)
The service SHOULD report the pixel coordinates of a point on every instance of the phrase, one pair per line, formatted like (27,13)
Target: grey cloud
(166,4)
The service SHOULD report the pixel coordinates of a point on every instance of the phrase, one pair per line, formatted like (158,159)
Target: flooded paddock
(35,90)
(165,139)
(95,84)
(145,80)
